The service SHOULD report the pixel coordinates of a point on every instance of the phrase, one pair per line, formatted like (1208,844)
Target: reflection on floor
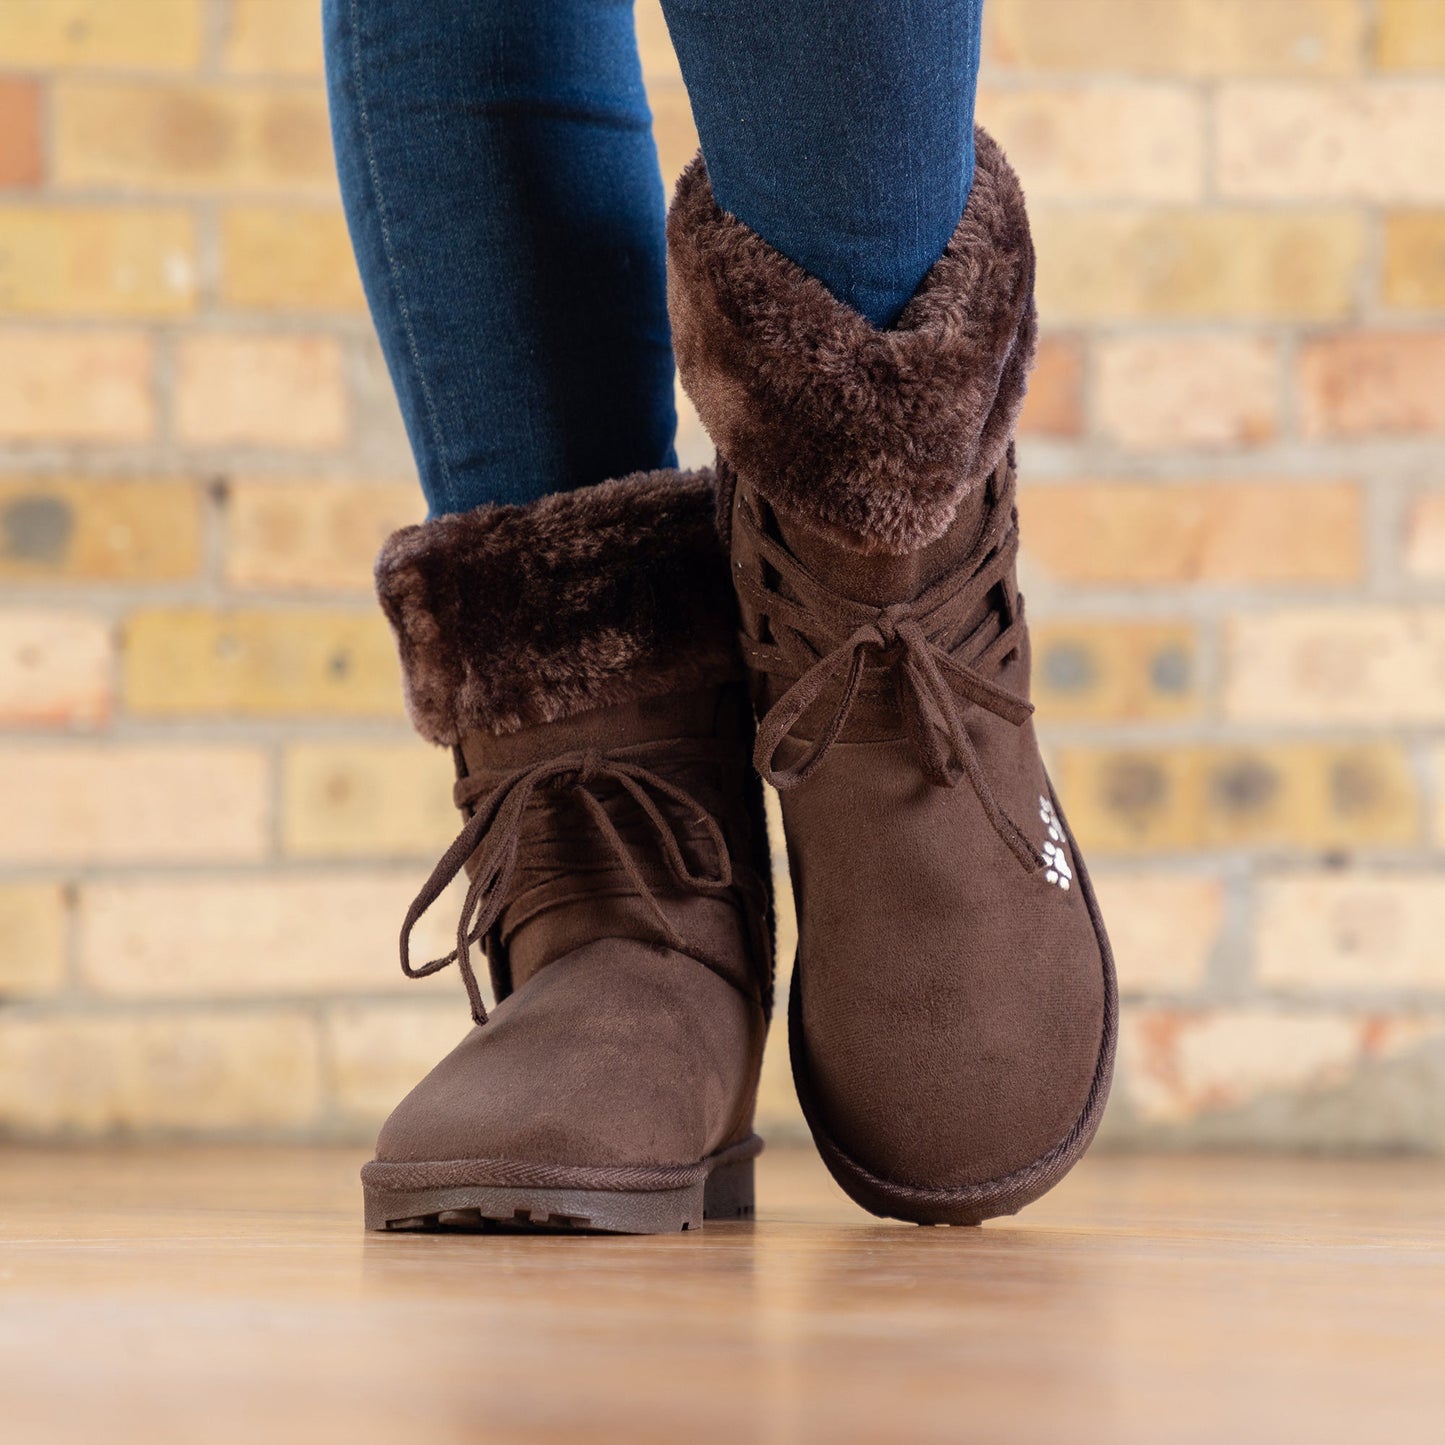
(204,1296)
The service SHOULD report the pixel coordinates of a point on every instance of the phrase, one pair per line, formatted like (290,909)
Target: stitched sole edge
(490,1195)
(973,1203)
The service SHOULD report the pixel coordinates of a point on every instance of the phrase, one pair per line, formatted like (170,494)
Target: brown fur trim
(510,616)
(873,437)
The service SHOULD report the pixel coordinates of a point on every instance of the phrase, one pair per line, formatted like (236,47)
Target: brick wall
(212,814)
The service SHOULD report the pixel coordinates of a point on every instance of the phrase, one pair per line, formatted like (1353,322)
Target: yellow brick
(1120,265)
(673,130)
(1366,141)
(96,261)
(90,386)
(288,258)
(778,1113)
(779,1117)
(172,802)
(1415,259)
(379,1051)
(785,910)
(232,139)
(75,530)
(694,446)
(181,661)
(1363,666)
(1180,37)
(350,800)
(313,536)
(1122,142)
(278,934)
(55,669)
(1114,670)
(654,44)
(108,34)
(32,939)
(1410,35)
(1187,391)
(285,391)
(1162,928)
(89,1076)
(1150,800)
(1323,932)
(1179,1066)
(1425,536)
(1436,765)
(1157,533)
(273,37)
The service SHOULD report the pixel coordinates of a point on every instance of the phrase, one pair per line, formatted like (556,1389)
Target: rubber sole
(973,1203)
(568,1202)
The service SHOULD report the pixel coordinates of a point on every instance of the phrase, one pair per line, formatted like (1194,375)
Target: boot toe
(599,1061)
(958,1083)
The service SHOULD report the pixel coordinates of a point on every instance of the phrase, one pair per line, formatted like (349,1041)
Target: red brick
(20,156)
(1055,403)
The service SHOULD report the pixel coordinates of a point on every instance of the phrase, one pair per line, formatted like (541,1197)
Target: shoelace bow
(496,829)
(929,677)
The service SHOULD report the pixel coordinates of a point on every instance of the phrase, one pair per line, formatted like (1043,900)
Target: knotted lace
(494,833)
(824,640)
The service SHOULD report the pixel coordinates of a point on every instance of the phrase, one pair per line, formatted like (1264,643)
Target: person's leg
(502,190)
(577,651)
(841,134)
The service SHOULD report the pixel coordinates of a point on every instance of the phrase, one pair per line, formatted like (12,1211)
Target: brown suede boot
(953,1010)
(579,656)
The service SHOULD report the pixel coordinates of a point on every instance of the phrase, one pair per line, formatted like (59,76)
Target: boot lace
(822,639)
(494,833)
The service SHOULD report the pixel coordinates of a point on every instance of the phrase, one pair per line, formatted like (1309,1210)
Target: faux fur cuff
(873,437)
(510,616)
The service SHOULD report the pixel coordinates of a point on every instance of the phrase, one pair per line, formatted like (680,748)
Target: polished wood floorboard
(204,1296)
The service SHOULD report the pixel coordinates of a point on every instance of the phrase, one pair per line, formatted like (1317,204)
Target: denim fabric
(505,204)
(504,200)
(842,134)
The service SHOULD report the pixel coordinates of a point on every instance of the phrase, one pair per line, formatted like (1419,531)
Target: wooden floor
(203,1296)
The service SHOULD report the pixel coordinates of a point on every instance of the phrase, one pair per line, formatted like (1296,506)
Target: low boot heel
(728,1193)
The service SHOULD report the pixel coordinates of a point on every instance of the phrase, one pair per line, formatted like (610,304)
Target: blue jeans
(504,200)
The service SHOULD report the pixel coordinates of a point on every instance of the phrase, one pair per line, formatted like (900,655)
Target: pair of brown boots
(953,1006)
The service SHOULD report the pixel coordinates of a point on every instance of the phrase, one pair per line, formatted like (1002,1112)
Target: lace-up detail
(935,660)
(494,832)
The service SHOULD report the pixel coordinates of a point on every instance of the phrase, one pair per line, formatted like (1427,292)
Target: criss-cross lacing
(494,833)
(821,639)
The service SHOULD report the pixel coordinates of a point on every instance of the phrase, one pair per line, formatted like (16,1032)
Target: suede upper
(872,437)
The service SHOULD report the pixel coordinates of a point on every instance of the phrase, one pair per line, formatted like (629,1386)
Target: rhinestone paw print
(1056,861)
